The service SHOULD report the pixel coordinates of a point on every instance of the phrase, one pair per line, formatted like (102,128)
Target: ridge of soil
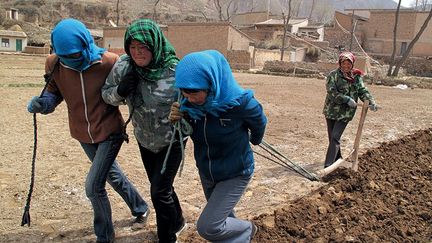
(388,199)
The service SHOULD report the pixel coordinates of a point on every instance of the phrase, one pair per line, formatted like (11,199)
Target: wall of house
(344,20)
(337,37)
(190,37)
(263,55)
(379,37)
(37,50)
(12,43)
(295,27)
(239,59)
(249,18)
(259,35)
(113,39)
(237,40)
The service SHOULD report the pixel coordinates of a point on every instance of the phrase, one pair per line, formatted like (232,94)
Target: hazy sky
(405,3)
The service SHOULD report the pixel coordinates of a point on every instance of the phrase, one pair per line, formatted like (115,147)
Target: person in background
(344,87)
(144,78)
(78,69)
(225,118)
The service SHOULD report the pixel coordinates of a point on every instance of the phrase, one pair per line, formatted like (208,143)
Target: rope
(182,127)
(285,162)
(26,215)
(358,43)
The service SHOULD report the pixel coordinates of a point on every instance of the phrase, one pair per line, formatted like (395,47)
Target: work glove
(373,107)
(127,84)
(36,105)
(175,113)
(351,103)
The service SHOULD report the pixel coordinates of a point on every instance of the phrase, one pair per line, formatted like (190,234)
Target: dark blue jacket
(221,144)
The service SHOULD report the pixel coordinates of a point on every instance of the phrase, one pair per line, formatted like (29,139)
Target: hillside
(37,17)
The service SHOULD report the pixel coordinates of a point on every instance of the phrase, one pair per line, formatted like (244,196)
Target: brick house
(190,37)
(379,37)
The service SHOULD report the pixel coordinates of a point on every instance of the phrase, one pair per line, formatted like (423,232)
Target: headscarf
(148,32)
(208,70)
(71,36)
(350,76)
(346,55)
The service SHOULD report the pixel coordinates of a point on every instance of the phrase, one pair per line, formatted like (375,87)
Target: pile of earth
(388,199)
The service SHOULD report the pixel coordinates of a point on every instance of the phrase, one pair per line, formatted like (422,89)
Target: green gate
(18,45)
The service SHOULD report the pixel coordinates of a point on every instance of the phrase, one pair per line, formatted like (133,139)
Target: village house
(13,40)
(379,37)
(191,37)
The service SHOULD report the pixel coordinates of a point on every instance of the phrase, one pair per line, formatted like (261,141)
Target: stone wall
(36,50)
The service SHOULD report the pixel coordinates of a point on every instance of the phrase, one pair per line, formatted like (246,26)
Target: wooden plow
(351,161)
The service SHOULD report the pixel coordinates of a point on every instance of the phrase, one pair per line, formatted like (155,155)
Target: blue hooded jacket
(221,126)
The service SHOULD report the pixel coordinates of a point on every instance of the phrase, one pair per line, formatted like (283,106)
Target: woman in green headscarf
(144,78)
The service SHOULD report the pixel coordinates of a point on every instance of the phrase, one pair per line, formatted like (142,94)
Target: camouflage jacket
(149,104)
(339,90)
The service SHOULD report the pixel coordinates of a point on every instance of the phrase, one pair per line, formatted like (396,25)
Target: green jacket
(339,91)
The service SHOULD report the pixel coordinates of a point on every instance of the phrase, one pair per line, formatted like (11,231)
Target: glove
(175,113)
(36,105)
(351,103)
(373,107)
(127,84)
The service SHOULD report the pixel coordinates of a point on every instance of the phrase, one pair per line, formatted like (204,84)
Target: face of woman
(346,66)
(140,53)
(197,97)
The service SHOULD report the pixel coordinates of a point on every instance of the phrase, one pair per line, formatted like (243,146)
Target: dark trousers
(165,202)
(334,132)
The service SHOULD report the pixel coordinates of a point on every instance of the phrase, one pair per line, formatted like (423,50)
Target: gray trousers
(217,222)
(334,132)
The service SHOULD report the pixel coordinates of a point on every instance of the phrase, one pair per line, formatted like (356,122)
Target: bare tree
(286,23)
(155,11)
(423,5)
(118,13)
(311,9)
(323,12)
(411,45)
(229,7)
(295,7)
(218,7)
(392,58)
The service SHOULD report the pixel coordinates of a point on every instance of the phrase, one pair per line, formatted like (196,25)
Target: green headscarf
(148,32)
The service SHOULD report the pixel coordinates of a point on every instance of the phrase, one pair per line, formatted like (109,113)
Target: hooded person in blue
(77,71)
(74,45)
(225,118)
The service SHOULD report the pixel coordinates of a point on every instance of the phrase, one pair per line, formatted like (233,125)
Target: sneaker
(140,221)
(254,230)
(181,228)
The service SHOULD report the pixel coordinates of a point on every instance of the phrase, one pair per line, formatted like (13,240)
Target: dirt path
(60,210)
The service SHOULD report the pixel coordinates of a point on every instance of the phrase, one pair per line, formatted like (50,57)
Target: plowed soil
(388,200)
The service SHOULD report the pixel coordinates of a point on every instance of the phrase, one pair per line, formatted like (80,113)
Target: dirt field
(388,200)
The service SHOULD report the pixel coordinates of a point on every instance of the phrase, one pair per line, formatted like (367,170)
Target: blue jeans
(105,168)
(216,223)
